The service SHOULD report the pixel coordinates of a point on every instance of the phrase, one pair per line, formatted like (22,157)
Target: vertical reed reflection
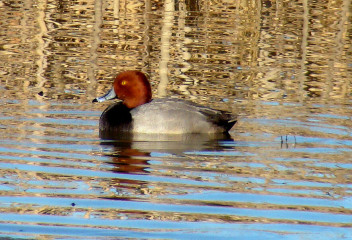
(95,42)
(167,23)
(304,44)
(41,47)
(147,36)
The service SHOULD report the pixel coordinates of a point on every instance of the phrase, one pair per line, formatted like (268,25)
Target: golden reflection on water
(284,67)
(270,51)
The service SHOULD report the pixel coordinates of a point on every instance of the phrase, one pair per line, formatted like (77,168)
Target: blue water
(67,183)
(283,68)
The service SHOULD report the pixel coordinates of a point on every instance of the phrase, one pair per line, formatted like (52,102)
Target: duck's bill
(108,96)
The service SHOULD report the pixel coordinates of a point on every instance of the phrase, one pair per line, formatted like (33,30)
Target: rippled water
(276,178)
(285,172)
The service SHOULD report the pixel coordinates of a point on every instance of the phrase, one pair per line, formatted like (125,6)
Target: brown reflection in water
(128,161)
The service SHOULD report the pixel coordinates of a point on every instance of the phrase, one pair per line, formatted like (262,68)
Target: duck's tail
(230,124)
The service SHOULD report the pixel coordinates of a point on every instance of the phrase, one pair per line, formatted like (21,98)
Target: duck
(137,112)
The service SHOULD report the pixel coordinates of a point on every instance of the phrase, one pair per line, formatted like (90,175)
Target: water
(284,68)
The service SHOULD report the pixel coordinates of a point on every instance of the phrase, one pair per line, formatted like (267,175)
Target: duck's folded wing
(220,118)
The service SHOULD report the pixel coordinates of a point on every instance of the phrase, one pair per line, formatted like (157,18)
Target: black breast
(115,118)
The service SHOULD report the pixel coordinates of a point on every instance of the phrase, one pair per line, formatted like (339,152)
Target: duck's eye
(124,82)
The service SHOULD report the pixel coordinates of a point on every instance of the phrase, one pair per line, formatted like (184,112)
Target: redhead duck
(138,113)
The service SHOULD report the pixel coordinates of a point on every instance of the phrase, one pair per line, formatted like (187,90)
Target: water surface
(284,68)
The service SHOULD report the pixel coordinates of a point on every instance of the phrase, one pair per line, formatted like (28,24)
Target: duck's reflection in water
(176,144)
(131,153)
